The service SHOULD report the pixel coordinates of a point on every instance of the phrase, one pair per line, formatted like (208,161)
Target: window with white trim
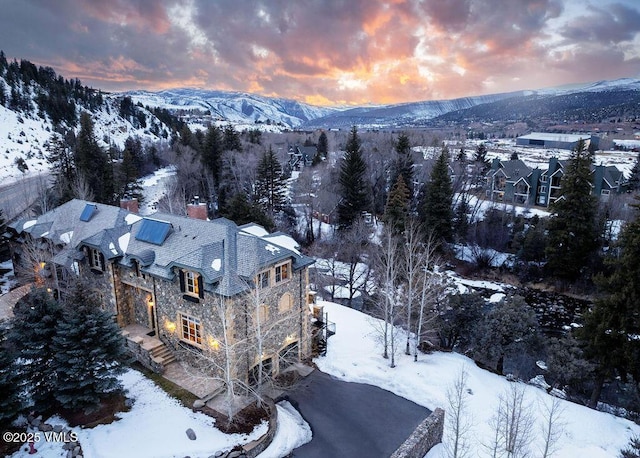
(191,329)
(283,272)
(191,283)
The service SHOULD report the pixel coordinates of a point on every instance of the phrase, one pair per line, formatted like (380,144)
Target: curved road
(352,419)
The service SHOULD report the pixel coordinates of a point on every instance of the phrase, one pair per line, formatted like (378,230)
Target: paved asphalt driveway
(352,419)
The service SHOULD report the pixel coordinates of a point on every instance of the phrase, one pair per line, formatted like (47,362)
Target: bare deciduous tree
(459,420)
(553,427)
(512,424)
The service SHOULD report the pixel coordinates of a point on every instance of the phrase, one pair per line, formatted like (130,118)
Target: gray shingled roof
(515,168)
(222,253)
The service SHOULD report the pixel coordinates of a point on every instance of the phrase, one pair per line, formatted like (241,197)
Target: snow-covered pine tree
(88,353)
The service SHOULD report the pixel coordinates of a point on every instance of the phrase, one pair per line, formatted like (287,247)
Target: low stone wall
(134,347)
(426,435)
(256,447)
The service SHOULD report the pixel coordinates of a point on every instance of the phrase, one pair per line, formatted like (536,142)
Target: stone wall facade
(284,321)
(426,435)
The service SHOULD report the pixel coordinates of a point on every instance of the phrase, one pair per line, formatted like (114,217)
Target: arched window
(286,302)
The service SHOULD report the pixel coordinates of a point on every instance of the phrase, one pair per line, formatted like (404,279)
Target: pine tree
(11,383)
(231,139)
(353,187)
(615,316)
(241,211)
(323,145)
(437,212)
(62,163)
(634,177)
(404,163)
(130,185)
(271,187)
(396,210)
(92,163)
(31,333)
(212,154)
(88,353)
(572,230)
(633,450)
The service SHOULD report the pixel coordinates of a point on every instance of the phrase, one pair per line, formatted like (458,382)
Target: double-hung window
(264,279)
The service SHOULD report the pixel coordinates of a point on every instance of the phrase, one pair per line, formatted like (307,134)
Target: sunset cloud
(332,51)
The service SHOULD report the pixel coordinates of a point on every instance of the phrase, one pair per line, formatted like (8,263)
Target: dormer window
(96,260)
(283,272)
(191,284)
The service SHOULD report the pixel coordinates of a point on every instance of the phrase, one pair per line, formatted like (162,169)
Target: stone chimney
(130,204)
(196,209)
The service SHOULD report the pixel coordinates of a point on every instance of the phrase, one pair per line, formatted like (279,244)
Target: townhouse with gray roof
(181,287)
(514,182)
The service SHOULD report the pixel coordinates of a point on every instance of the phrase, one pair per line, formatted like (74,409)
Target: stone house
(206,291)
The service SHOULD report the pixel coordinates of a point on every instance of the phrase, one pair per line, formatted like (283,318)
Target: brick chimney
(196,209)
(130,204)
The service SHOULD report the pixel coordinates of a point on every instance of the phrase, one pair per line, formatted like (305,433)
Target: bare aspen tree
(553,427)
(389,306)
(413,249)
(459,421)
(512,424)
(431,287)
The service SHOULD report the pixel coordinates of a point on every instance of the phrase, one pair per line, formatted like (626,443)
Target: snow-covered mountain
(238,108)
(403,114)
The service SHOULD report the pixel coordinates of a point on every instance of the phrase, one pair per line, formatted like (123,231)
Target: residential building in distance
(514,182)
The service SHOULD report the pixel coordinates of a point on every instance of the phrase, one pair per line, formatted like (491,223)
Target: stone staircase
(161,355)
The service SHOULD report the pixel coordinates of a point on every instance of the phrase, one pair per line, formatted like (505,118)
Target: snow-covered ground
(156,425)
(354,355)
(153,187)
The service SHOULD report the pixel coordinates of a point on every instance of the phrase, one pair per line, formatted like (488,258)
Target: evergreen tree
(353,186)
(31,333)
(480,157)
(231,139)
(130,185)
(634,178)
(212,154)
(88,353)
(92,163)
(241,211)
(437,212)
(404,163)
(615,316)
(323,145)
(508,330)
(3,95)
(396,210)
(271,187)
(633,450)
(11,384)
(572,230)
(60,157)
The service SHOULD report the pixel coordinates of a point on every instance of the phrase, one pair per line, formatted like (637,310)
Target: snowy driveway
(352,419)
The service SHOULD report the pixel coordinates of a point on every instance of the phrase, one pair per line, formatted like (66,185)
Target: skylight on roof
(153,231)
(87,213)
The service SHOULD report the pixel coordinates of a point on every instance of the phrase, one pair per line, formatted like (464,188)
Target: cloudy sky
(328,52)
